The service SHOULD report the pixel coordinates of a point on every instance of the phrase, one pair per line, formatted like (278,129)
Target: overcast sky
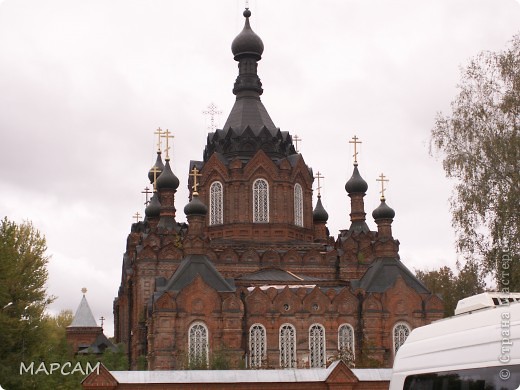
(84,84)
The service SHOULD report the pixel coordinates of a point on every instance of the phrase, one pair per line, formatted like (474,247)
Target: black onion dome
(195,207)
(320,214)
(158,165)
(356,183)
(247,43)
(383,211)
(167,178)
(154,207)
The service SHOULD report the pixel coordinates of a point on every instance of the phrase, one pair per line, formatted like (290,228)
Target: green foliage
(142,363)
(220,360)
(365,358)
(346,356)
(27,334)
(451,287)
(23,297)
(480,145)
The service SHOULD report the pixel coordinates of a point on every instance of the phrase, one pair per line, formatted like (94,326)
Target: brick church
(254,274)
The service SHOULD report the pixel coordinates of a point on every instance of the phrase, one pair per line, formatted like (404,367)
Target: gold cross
(147,192)
(159,133)
(382,179)
(155,171)
(318,176)
(355,142)
(84,290)
(137,216)
(167,136)
(195,173)
(212,111)
(296,139)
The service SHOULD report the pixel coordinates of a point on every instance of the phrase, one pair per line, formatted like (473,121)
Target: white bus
(477,349)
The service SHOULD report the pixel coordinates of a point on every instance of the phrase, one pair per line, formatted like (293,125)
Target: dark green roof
(194,265)
(383,273)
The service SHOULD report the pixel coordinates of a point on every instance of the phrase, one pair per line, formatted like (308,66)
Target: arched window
(317,349)
(198,344)
(260,201)
(401,332)
(346,340)
(298,205)
(216,203)
(287,346)
(257,345)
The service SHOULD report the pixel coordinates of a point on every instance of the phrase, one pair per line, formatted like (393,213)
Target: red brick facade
(259,255)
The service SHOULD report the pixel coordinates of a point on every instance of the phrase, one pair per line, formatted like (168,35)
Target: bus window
(485,378)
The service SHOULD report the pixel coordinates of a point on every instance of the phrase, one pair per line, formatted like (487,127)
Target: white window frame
(260,201)
(346,338)
(298,205)
(216,203)
(400,333)
(317,346)
(193,354)
(257,345)
(287,346)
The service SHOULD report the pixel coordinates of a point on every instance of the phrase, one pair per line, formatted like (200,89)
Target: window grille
(317,354)
(216,203)
(260,201)
(198,344)
(298,205)
(257,345)
(346,339)
(401,332)
(287,346)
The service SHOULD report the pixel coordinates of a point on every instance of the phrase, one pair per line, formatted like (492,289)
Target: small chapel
(255,275)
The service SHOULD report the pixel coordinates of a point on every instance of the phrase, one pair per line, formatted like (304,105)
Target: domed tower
(257,188)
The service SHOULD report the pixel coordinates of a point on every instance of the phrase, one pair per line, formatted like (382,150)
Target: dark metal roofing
(320,214)
(276,275)
(383,211)
(83,317)
(193,265)
(383,273)
(98,346)
(249,111)
(356,184)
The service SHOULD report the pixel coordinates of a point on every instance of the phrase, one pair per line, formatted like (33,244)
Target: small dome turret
(383,211)
(153,209)
(356,184)
(247,43)
(159,167)
(167,179)
(195,207)
(320,214)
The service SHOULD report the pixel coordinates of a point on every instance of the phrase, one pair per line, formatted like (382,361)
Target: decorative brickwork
(256,266)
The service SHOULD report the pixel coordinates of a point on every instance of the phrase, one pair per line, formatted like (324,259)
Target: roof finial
(167,134)
(146,192)
(212,111)
(195,173)
(355,142)
(382,179)
(155,171)
(159,133)
(296,139)
(319,176)
(84,290)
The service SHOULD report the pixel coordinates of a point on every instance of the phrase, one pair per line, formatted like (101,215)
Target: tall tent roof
(83,316)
